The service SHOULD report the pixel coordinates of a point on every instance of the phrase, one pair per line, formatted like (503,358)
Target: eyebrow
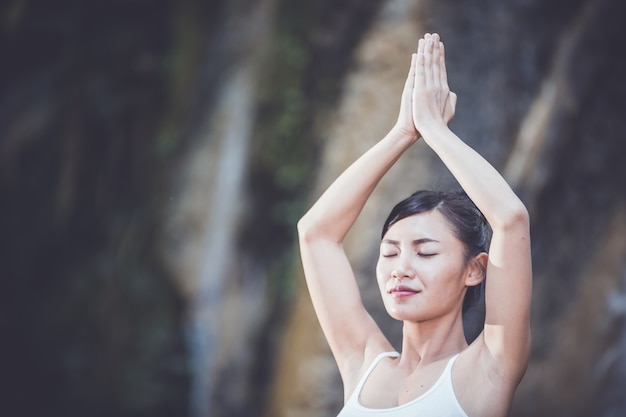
(415,242)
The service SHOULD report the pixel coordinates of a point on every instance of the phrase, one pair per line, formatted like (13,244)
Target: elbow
(304,228)
(513,216)
(311,228)
(519,215)
(307,228)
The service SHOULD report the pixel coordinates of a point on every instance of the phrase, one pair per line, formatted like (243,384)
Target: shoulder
(357,365)
(479,385)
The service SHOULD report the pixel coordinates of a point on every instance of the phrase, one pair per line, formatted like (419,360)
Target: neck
(429,341)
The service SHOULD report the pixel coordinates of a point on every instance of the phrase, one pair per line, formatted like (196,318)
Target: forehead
(430,225)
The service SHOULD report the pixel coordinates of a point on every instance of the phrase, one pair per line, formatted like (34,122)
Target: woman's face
(421,268)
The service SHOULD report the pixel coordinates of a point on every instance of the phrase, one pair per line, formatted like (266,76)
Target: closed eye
(389,255)
(426,255)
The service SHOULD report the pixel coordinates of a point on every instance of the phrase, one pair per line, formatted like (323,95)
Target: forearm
(480,180)
(339,206)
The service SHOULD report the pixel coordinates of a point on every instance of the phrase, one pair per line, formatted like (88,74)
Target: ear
(476,269)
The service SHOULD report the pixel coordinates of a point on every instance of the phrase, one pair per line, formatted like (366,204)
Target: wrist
(401,135)
(433,127)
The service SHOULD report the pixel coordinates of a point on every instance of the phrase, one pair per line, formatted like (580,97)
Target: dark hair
(470,227)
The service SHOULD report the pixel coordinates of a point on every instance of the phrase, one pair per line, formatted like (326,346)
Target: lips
(402,291)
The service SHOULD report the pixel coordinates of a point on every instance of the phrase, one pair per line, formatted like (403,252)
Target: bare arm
(506,336)
(330,279)
(349,329)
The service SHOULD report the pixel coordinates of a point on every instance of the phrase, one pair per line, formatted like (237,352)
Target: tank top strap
(448,369)
(369,370)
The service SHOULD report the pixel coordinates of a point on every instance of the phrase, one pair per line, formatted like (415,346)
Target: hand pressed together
(426,98)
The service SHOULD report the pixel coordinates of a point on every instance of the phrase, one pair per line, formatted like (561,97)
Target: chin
(407,314)
(398,314)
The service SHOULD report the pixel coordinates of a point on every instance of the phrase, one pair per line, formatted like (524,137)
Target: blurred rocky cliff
(155,156)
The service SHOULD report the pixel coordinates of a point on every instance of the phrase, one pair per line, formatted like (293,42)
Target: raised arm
(506,336)
(349,329)
(336,298)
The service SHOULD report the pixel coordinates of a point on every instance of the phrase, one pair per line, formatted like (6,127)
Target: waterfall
(233,121)
(200,235)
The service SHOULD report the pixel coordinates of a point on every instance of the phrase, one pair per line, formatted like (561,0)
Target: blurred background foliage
(91,323)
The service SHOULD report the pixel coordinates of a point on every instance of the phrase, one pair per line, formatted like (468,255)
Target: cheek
(452,274)
(382,268)
(381,273)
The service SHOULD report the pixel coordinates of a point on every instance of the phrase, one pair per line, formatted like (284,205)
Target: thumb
(450,109)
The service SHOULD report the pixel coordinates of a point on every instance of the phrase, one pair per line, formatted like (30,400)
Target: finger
(428,60)
(453,98)
(407,94)
(419,64)
(410,79)
(442,67)
(436,61)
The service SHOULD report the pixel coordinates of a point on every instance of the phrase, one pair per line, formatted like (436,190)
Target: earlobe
(477,269)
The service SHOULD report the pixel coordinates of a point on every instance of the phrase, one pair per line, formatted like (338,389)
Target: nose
(403,269)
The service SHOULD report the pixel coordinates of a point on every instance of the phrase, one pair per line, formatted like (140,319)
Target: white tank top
(438,401)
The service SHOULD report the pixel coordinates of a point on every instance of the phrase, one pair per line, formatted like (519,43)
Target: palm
(426,95)
(432,100)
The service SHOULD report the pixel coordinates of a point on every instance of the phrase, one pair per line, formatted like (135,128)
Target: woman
(425,269)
